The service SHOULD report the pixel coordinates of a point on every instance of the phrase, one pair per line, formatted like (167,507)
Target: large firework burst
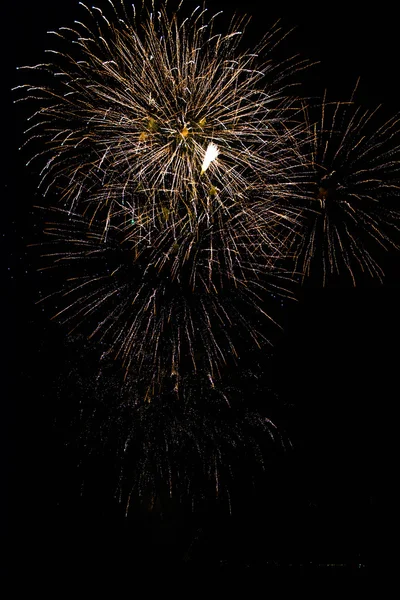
(134,107)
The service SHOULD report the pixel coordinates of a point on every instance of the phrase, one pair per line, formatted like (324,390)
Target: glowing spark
(210,155)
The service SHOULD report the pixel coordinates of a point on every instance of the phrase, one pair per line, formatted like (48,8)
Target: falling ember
(210,155)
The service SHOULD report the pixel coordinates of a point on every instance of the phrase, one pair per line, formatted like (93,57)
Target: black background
(323,503)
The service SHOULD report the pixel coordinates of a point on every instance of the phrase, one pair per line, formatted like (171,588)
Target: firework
(186,181)
(173,153)
(138,106)
(355,181)
(189,451)
(172,150)
(180,302)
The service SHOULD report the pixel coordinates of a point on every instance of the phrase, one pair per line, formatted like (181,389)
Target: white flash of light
(210,155)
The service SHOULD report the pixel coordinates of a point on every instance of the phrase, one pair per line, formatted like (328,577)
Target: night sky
(333,369)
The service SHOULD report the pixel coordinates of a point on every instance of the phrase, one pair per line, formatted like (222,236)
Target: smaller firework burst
(353,207)
(182,301)
(199,449)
